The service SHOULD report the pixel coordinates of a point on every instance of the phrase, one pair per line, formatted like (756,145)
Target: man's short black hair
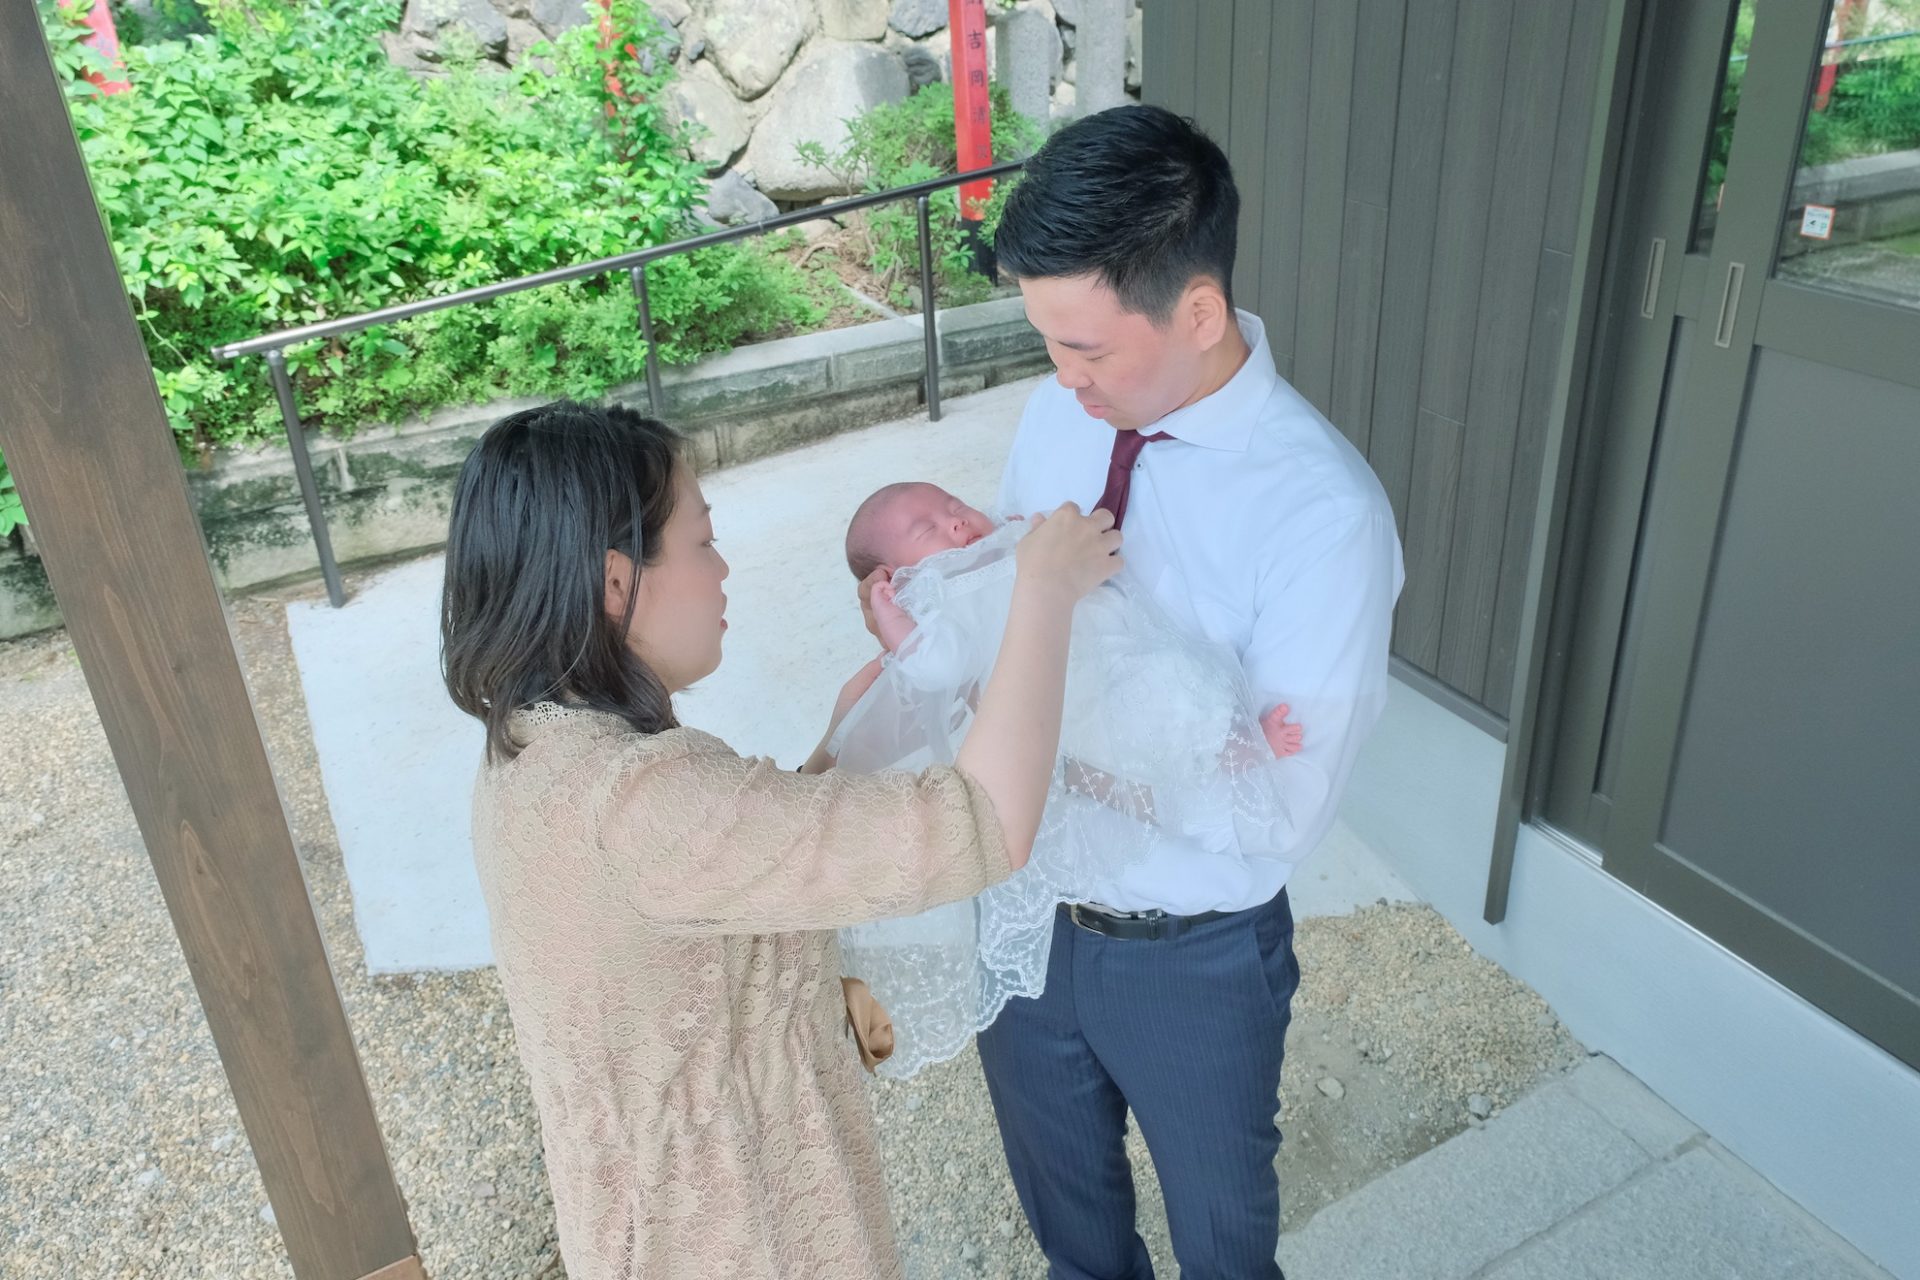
(1136,195)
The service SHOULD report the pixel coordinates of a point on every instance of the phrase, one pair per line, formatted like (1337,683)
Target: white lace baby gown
(1158,735)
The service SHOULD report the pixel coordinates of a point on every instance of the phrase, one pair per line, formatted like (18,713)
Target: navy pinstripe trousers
(1189,1032)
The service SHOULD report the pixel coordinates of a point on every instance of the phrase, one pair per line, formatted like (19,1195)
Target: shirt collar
(1224,420)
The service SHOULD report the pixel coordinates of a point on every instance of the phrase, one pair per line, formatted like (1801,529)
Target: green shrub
(1874,108)
(12,514)
(896,144)
(278,170)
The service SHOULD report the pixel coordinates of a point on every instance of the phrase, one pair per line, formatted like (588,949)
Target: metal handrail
(273,346)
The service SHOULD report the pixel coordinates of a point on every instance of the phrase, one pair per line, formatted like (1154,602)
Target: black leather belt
(1144,926)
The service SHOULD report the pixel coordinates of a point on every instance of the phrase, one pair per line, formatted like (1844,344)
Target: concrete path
(370,672)
(1590,1177)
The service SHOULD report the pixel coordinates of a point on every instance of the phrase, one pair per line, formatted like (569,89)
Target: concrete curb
(387,489)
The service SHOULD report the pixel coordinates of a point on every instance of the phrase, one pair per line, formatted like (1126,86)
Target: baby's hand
(867,584)
(1282,736)
(891,623)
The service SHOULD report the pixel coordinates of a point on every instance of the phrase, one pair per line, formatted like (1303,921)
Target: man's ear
(1207,312)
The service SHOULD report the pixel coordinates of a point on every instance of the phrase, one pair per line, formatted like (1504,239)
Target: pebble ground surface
(121,1153)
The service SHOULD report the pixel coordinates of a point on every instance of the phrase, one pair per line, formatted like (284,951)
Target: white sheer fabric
(1158,736)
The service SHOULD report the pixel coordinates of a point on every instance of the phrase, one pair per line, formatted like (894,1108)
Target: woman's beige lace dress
(662,914)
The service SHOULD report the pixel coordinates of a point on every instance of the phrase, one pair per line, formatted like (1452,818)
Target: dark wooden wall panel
(1427,534)
(1410,177)
(1336,29)
(1289,65)
(1536,62)
(1167,37)
(1556,267)
(1247,138)
(1414,201)
(1213,68)
(1363,245)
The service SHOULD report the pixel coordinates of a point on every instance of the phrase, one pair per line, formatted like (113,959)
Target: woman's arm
(1015,737)
(683,835)
(680,835)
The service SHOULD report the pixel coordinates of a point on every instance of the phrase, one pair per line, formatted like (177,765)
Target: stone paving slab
(1469,1201)
(1699,1216)
(1631,1107)
(1591,1177)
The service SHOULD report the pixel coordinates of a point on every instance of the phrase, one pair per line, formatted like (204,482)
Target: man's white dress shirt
(1258,526)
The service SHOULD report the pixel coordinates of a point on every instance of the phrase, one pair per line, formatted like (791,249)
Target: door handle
(1650,291)
(1729,305)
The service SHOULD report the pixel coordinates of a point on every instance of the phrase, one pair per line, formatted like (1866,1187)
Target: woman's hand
(853,691)
(1069,552)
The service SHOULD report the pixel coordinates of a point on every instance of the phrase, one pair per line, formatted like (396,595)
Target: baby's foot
(1282,736)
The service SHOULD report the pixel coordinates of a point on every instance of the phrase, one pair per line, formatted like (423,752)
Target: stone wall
(759,77)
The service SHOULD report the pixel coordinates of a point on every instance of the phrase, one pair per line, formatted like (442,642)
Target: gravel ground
(121,1154)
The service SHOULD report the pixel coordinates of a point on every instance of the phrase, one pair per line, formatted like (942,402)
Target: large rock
(1136,33)
(522,35)
(918,18)
(924,70)
(672,12)
(732,200)
(429,22)
(1064,103)
(755,40)
(1029,55)
(853,19)
(1101,63)
(555,16)
(418,56)
(835,82)
(698,98)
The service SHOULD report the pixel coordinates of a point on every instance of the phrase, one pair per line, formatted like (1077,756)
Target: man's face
(1123,368)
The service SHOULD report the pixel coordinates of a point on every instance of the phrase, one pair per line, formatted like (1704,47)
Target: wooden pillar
(84,433)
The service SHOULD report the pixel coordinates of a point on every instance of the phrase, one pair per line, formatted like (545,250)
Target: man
(1258,526)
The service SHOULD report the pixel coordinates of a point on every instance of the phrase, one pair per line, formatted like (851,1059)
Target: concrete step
(1590,1177)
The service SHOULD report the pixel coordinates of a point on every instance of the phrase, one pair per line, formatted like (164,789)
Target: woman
(662,908)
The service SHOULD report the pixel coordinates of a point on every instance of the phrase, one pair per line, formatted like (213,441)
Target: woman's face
(679,612)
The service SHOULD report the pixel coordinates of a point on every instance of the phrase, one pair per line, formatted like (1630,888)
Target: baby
(902,524)
(1158,739)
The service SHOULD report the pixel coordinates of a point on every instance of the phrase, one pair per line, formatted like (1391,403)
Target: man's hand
(1282,736)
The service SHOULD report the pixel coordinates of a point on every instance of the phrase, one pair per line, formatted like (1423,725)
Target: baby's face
(925,518)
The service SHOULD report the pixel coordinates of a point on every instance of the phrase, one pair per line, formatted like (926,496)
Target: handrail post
(656,399)
(927,313)
(303,469)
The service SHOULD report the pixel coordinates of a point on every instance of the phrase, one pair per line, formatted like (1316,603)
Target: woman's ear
(619,584)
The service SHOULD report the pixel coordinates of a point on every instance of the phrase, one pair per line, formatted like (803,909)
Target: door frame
(1651,501)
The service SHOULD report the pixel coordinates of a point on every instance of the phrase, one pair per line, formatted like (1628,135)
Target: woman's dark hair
(540,501)
(1135,195)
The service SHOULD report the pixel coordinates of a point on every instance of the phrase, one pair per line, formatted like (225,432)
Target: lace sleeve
(696,839)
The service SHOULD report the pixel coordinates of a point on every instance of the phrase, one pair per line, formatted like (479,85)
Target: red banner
(972,106)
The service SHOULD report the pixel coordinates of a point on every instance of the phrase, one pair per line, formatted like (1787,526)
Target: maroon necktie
(1126,451)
